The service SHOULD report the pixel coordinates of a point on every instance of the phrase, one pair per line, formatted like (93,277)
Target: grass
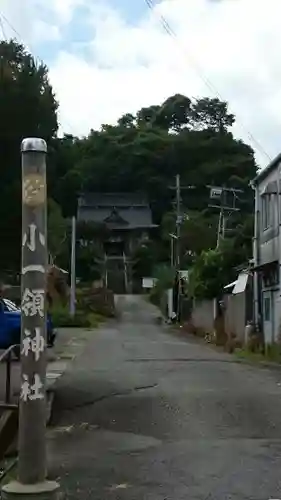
(248,355)
(272,353)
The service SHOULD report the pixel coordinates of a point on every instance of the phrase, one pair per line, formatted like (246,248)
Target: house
(267,246)
(128,219)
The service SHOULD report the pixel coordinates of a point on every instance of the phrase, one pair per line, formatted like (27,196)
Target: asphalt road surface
(147,415)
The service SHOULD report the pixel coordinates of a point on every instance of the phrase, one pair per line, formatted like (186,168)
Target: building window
(267,309)
(270,276)
(267,215)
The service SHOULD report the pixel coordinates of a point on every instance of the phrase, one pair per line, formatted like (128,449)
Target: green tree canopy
(28,108)
(215,268)
(57,230)
(142,152)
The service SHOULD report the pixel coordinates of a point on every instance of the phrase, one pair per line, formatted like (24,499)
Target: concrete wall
(203,315)
(235,315)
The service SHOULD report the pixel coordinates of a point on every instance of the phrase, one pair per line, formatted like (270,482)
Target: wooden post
(32,468)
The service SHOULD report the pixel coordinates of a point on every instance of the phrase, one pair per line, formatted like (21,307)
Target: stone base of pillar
(48,490)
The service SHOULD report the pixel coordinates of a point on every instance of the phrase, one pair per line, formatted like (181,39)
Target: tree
(198,232)
(215,268)
(57,230)
(207,276)
(175,113)
(27,108)
(147,115)
(127,121)
(144,152)
(87,267)
(146,256)
(210,113)
(172,115)
(89,256)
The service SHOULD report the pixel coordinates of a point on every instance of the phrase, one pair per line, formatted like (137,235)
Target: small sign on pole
(148,283)
(216,193)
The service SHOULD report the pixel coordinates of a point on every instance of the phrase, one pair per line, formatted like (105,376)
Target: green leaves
(57,229)
(143,152)
(215,268)
(27,108)
(212,114)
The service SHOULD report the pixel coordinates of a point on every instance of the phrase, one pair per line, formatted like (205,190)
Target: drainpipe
(256,255)
(105,266)
(279,244)
(125,272)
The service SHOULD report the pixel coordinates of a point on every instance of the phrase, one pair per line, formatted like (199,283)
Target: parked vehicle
(10,327)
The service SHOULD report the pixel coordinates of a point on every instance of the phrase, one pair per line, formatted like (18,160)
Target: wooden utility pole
(179,217)
(32,466)
(179,221)
(219,193)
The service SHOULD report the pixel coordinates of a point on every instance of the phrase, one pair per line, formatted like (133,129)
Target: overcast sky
(109,57)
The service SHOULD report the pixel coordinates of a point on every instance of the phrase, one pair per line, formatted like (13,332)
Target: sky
(110,57)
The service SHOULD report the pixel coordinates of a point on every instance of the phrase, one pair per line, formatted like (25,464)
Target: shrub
(62,318)
(155,295)
(97,301)
(164,280)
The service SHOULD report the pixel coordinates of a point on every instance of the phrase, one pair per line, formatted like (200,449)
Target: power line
(169,30)
(9,24)
(2,28)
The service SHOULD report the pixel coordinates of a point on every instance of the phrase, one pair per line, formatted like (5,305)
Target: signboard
(184,275)
(216,193)
(148,282)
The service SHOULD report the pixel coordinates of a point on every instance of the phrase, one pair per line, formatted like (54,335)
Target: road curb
(58,365)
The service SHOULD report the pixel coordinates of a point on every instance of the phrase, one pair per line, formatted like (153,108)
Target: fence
(6,357)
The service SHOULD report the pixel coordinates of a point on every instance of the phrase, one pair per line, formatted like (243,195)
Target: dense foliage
(142,152)
(27,108)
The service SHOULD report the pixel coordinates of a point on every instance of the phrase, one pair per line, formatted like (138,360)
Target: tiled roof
(112,199)
(135,217)
(133,208)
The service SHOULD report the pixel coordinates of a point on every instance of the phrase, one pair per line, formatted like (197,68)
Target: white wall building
(267,250)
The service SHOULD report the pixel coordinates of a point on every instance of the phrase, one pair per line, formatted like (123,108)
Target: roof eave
(266,171)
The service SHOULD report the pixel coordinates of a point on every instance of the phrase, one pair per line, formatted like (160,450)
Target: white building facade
(267,251)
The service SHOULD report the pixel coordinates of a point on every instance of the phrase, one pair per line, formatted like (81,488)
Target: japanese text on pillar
(30,240)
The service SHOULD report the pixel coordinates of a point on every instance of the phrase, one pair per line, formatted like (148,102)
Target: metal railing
(6,357)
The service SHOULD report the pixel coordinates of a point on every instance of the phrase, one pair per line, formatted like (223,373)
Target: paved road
(146,415)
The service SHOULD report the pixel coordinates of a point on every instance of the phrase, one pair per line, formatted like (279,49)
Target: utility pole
(32,465)
(219,193)
(179,220)
(72,307)
(179,217)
